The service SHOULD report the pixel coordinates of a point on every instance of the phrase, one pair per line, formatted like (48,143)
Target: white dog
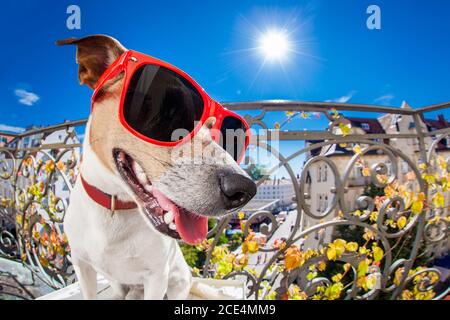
(133,199)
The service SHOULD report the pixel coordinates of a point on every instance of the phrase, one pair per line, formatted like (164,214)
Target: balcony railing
(374,239)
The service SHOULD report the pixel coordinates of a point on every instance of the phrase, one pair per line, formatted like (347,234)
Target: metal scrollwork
(394,210)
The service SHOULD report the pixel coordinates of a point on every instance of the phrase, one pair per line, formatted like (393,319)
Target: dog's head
(176,195)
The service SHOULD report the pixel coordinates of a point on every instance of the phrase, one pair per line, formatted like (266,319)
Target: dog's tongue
(191,228)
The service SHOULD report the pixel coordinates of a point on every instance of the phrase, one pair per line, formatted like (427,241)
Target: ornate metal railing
(374,238)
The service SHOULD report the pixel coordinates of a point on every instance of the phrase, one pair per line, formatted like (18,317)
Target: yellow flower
(335,113)
(337,277)
(407,295)
(357,149)
(241,215)
(241,259)
(219,253)
(322,265)
(374,216)
(368,282)
(339,246)
(5,202)
(28,161)
(442,163)
(277,125)
(368,235)
(331,253)
(293,258)
(345,129)
(224,268)
(438,200)
(289,113)
(351,246)
(333,292)
(252,246)
(295,293)
(196,271)
(391,223)
(401,222)
(377,254)
(363,267)
(60,165)
(49,166)
(389,191)
(347,267)
(304,115)
(429,178)
(397,276)
(445,183)
(19,219)
(366,171)
(417,204)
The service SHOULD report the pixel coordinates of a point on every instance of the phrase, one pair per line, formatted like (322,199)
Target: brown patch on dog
(94,55)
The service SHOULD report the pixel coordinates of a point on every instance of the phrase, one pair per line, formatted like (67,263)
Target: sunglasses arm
(112,71)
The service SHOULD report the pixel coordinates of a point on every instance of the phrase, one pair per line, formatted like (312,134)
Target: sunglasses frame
(129,62)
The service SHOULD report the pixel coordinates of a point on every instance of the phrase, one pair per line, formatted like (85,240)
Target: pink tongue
(192,228)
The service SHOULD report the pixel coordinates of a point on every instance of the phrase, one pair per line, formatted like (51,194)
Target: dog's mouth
(166,216)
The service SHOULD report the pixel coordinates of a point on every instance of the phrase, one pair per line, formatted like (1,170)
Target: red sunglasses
(158,99)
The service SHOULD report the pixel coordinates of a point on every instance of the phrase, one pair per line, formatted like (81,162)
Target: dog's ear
(94,55)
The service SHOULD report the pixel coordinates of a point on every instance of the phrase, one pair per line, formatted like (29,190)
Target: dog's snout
(237,190)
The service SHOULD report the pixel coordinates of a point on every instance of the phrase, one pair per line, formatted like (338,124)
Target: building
(280,189)
(6,138)
(320,178)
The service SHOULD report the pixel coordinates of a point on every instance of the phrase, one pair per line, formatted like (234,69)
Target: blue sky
(340,59)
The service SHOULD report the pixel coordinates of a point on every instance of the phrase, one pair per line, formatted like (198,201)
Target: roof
(373,124)
(438,124)
(256,205)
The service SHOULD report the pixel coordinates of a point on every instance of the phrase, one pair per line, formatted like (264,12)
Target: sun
(274,45)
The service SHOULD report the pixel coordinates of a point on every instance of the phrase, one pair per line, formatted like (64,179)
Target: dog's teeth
(172,226)
(168,217)
(140,174)
(148,187)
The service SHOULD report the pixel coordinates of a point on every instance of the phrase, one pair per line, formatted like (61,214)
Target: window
(389,167)
(358,172)
(365,126)
(325,206)
(405,167)
(319,175)
(319,209)
(325,173)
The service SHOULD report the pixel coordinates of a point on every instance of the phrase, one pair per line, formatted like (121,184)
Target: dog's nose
(237,190)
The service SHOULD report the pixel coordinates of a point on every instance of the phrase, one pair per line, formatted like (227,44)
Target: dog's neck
(95,173)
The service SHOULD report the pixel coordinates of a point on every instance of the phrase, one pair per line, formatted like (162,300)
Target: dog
(134,199)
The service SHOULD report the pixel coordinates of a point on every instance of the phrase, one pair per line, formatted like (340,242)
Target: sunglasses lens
(233,136)
(162,105)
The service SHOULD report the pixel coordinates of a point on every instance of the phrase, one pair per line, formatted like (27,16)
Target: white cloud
(5,127)
(26,97)
(385,99)
(343,99)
